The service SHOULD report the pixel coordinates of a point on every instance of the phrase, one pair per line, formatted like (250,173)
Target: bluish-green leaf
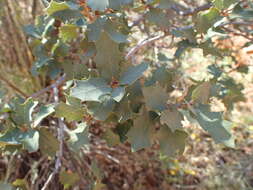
(155,97)
(14,137)
(91,89)
(103,109)
(22,114)
(170,142)
(133,73)
(214,124)
(98,5)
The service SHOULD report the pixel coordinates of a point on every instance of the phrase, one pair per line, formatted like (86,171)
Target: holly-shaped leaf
(101,110)
(155,97)
(70,112)
(206,19)
(118,93)
(22,114)
(111,138)
(171,143)
(14,137)
(68,32)
(172,118)
(141,132)
(49,144)
(43,112)
(91,89)
(79,137)
(68,179)
(108,57)
(201,93)
(133,74)
(55,6)
(213,123)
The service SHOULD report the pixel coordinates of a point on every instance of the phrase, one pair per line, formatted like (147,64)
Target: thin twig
(196,10)
(57,83)
(141,44)
(58,162)
(11,85)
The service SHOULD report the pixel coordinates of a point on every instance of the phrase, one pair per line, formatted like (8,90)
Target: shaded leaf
(68,179)
(213,123)
(14,137)
(49,144)
(108,57)
(171,143)
(155,97)
(70,112)
(133,73)
(43,113)
(201,93)
(22,114)
(118,93)
(140,133)
(103,109)
(68,32)
(111,138)
(79,137)
(172,118)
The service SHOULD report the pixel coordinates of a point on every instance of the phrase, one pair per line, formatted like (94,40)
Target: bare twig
(58,162)
(12,86)
(57,83)
(142,44)
(196,10)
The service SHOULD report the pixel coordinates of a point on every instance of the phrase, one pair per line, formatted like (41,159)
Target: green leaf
(22,114)
(213,123)
(206,19)
(107,59)
(117,4)
(49,144)
(94,29)
(111,138)
(70,112)
(140,134)
(91,89)
(133,74)
(223,4)
(43,113)
(171,143)
(202,93)
(103,109)
(55,6)
(158,17)
(68,179)
(79,137)
(118,93)
(115,35)
(172,118)
(68,32)
(155,97)
(123,110)
(14,137)
(98,5)
(75,71)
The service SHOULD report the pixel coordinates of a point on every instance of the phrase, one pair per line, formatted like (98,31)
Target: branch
(141,44)
(11,85)
(58,162)
(192,11)
(57,83)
